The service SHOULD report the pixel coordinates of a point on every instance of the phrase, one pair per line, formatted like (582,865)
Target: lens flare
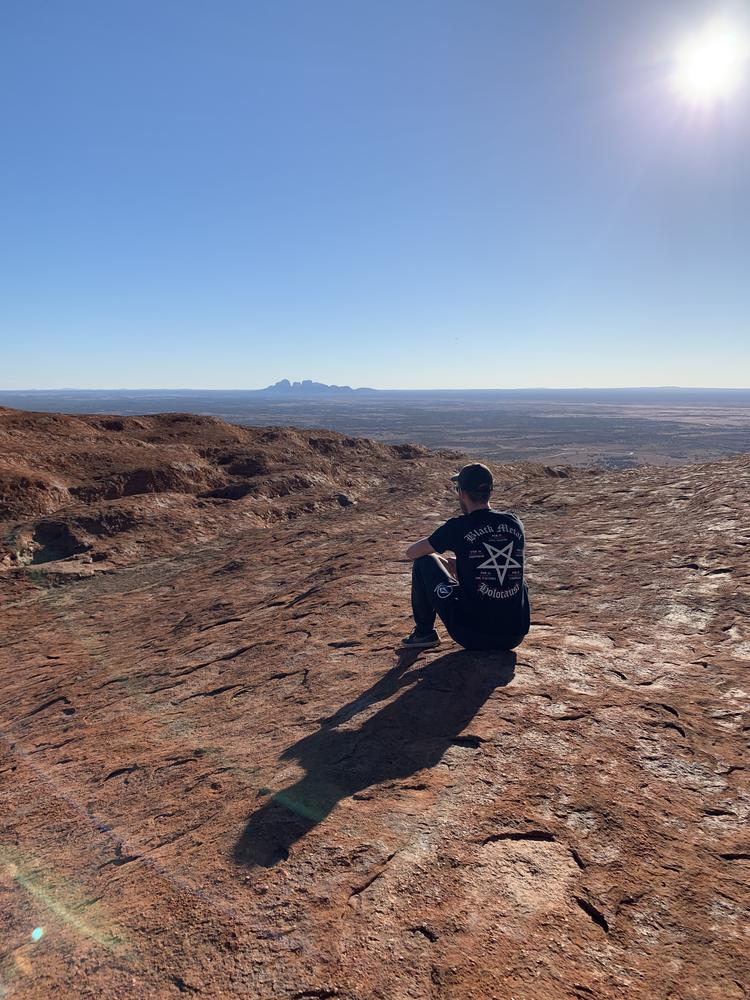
(710,66)
(62,900)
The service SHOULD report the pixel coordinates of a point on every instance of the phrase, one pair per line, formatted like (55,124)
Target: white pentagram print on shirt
(497,561)
(489,548)
(500,560)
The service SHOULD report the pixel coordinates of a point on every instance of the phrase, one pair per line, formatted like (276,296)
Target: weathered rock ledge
(217,778)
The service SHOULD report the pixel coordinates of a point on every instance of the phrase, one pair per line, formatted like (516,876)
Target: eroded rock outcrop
(121,488)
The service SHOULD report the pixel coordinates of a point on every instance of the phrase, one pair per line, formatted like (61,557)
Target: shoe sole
(420,645)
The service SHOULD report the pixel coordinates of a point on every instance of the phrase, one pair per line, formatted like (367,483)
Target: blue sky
(397,194)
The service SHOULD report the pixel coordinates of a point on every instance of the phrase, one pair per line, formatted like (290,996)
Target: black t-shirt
(488,545)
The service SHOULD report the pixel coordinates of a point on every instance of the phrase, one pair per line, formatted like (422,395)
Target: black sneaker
(421,640)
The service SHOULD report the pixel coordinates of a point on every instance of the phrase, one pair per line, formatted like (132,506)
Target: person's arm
(420,548)
(438,541)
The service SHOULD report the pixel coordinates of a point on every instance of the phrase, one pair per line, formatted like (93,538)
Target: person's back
(489,549)
(485,604)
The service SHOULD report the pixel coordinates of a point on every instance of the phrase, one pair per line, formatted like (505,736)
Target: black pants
(435,592)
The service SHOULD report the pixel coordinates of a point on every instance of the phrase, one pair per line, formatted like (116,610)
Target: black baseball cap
(476,478)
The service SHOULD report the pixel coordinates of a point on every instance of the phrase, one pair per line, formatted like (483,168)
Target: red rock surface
(218,779)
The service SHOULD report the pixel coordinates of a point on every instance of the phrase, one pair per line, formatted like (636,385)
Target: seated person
(480,596)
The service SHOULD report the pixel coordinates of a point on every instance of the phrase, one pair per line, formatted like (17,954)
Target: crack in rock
(380,870)
(212,693)
(591,911)
(47,704)
(539,835)
(122,770)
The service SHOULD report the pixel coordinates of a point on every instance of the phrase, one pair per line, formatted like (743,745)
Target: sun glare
(710,65)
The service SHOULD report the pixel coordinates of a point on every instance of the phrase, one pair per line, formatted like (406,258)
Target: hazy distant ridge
(309,388)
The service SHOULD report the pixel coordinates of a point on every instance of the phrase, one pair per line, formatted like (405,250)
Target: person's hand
(451,566)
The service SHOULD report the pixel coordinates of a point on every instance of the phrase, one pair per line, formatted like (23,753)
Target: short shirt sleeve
(442,537)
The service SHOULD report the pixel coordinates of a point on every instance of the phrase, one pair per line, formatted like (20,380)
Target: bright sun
(710,65)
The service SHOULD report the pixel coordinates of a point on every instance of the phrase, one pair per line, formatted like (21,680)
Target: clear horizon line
(526,388)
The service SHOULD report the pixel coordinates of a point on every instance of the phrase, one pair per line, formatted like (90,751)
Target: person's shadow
(406,736)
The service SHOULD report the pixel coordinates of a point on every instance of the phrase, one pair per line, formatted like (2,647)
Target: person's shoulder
(454,524)
(508,515)
(444,537)
(458,519)
(448,525)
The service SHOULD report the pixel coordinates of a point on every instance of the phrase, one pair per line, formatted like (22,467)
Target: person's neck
(477,506)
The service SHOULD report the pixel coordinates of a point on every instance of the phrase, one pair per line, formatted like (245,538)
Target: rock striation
(218,778)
